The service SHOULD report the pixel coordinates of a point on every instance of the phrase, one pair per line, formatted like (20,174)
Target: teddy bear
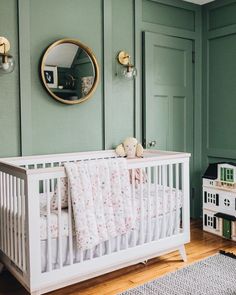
(130,148)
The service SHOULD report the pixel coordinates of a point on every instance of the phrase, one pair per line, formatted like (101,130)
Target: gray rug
(215,275)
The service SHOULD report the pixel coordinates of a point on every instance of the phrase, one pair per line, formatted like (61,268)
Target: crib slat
(134,204)
(11,215)
(90,254)
(177,211)
(1,211)
(15,219)
(141,208)
(156,183)
(149,204)
(19,223)
(59,222)
(108,247)
(23,223)
(49,239)
(70,225)
(126,240)
(8,216)
(118,241)
(171,198)
(165,195)
(82,255)
(4,213)
(185,197)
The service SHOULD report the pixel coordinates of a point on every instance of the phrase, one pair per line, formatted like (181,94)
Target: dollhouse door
(227,228)
(168,93)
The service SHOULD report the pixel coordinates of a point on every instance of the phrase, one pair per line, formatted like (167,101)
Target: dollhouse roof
(225,216)
(211,172)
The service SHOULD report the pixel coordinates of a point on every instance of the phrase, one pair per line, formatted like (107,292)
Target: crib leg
(182,253)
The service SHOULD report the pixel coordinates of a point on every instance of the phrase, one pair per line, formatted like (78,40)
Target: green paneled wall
(222,16)
(56,127)
(222,103)
(219,91)
(33,123)
(168,15)
(122,96)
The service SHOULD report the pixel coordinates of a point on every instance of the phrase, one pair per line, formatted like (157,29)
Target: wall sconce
(129,71)
(7,62)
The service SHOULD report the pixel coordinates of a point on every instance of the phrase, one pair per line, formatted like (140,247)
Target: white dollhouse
(219,200)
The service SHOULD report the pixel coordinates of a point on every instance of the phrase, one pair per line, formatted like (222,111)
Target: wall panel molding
(138,63)
(25,76)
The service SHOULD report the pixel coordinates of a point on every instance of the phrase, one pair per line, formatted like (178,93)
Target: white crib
(44,260)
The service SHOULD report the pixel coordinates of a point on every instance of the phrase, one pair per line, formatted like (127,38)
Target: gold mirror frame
(95,64)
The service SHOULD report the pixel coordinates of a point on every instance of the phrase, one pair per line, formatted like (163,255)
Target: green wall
(34,123)
(219,91)
(9,85)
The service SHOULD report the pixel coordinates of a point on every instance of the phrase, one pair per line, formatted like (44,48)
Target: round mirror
(69,71)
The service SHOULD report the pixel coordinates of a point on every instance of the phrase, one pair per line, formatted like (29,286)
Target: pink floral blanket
(101,200)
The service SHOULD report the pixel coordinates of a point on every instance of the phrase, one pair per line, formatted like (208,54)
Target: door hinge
(193,57)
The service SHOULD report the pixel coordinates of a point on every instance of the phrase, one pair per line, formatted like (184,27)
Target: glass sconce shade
(129,73)
(7,63)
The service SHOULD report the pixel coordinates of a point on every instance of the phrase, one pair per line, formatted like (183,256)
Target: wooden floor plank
(202,245)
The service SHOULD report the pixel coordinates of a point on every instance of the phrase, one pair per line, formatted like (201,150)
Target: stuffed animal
(130,148)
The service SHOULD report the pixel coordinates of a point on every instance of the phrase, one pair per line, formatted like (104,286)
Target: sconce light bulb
(5,66)
(129,73)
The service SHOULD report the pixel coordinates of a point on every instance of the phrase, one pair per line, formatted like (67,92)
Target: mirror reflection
(69,71)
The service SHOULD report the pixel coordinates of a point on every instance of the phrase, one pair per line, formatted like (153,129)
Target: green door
(168,93)
(227,229)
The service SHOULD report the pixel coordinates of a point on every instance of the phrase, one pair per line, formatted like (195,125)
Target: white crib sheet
(155,209)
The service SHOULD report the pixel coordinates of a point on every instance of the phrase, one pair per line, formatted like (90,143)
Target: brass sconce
(7,62)
(129,71)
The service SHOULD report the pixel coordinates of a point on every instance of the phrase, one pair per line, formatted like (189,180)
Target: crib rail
(13,215)
(40,241)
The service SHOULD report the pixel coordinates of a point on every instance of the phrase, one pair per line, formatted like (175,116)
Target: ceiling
(200,2)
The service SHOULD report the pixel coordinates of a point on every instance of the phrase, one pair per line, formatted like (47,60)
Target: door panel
(168,92)
(178,139)
(160,107)
(168,63)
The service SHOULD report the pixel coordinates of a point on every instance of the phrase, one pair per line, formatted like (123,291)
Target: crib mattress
(153,202)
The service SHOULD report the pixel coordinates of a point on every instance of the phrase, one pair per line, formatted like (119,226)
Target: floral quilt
(101,200)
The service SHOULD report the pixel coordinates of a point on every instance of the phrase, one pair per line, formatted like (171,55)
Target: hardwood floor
(202,245)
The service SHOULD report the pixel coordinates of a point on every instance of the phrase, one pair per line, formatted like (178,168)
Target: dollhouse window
(211,198)
(210,221)
(227,174)
(227,202)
